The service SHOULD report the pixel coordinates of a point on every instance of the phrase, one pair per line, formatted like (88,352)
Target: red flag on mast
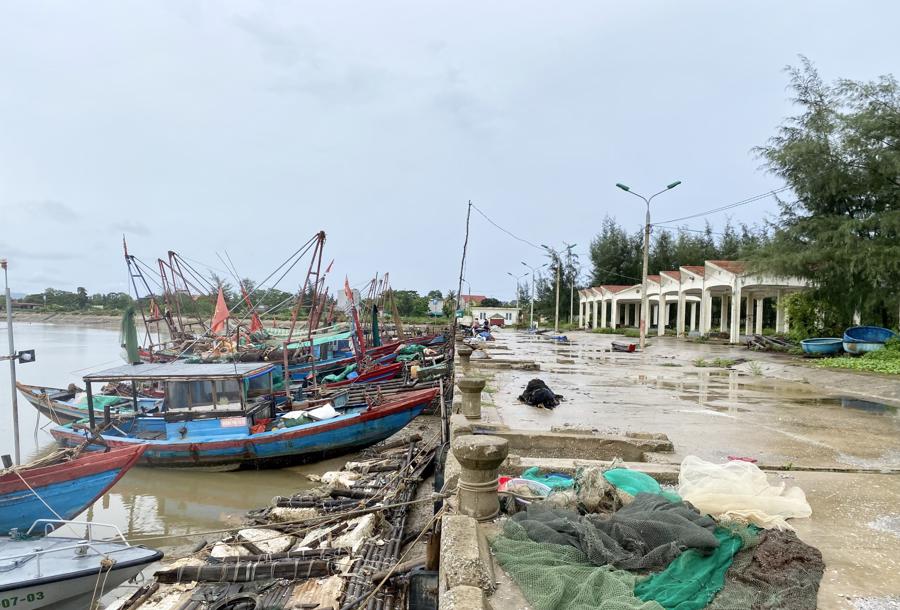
(221,314)
(255,322)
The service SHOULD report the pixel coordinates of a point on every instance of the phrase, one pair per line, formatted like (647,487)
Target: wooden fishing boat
(60,486)
(862,339)
(63,573)
(226,416)
(821,345)
(62,406)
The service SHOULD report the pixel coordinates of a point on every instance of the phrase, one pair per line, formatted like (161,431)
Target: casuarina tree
(841,227)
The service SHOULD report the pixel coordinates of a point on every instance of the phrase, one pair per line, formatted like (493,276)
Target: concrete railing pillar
(464,352)
(480,456)
(471,389)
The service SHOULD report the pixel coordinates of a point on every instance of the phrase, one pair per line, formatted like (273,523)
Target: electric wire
(729,206)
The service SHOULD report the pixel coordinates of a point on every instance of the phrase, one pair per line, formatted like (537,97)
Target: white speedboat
(63,572)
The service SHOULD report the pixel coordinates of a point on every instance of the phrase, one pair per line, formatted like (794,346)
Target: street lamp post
(569,248)
(645,301)
(558,261)
(531,317)
(517,278)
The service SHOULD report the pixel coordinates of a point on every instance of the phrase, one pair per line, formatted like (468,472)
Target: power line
(510,233)
(730,205)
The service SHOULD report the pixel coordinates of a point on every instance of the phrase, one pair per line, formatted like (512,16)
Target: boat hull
(68,488)
(71,594)
(276,448)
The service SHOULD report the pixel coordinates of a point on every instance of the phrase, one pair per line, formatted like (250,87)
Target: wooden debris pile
(329,548)
(767,343)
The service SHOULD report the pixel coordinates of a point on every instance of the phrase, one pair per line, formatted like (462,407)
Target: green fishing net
(634,482)
(560,577)
(694,578)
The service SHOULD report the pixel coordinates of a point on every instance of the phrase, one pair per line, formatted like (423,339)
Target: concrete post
(723,318)
(705,311)
(779,312)
(613,313)
(464,352)
(602,314)
(471,388)
(480,456)
(680,314)
(748,320)
(692,325)
(594,314)
(759,314)
(627,314)
(662,313)
(735,334)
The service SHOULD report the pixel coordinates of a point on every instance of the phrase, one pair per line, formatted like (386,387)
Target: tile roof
(736,267)
(653,278)
(698,269)
(616,287)
(675,275)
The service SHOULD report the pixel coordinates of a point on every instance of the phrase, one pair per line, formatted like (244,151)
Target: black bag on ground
(537,394)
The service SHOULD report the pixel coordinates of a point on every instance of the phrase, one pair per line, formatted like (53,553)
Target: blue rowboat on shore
(822,345)
(862,339)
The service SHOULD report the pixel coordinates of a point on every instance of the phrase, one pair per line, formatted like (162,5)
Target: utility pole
(12,364)
(645,301)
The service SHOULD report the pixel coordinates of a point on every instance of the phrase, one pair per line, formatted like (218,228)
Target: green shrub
(886,360)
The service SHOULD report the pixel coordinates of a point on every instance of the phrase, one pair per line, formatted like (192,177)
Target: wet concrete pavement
(761,410)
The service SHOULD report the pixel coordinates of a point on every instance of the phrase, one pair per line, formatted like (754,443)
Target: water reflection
(147,502)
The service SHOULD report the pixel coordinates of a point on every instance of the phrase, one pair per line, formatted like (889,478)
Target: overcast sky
(203,127)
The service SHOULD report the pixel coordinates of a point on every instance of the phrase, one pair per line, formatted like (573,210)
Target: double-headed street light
(533,271)
(517,278)
(645,301)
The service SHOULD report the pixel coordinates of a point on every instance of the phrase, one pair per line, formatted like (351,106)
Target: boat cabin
(194,391)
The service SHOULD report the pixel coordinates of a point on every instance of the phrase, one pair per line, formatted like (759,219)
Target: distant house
(496,316)
(470,300)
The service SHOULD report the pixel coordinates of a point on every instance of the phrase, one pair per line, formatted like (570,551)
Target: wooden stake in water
(12,362)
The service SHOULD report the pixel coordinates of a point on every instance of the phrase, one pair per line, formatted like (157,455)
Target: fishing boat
(64,573)
(62,406)
(60,486)
(862,339)
(821,345)
(227,416)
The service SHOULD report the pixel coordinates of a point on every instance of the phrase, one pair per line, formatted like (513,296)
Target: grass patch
(628,332)
(670,364)
(716,363)
(885,360)
(756,369)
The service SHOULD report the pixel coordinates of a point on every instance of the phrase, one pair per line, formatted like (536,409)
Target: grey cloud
(38,253)
(131,227)
(47,209)
(283,47)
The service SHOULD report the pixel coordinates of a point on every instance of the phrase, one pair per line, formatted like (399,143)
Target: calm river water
(158,505)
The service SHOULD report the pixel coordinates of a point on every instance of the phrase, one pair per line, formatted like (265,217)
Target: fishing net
(691,581)
(740,491)
(633,482)
(561,577)
(780,573)
(648,533)
(553,480)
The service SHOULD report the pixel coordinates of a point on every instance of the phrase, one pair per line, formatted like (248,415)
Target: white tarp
(740,491)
